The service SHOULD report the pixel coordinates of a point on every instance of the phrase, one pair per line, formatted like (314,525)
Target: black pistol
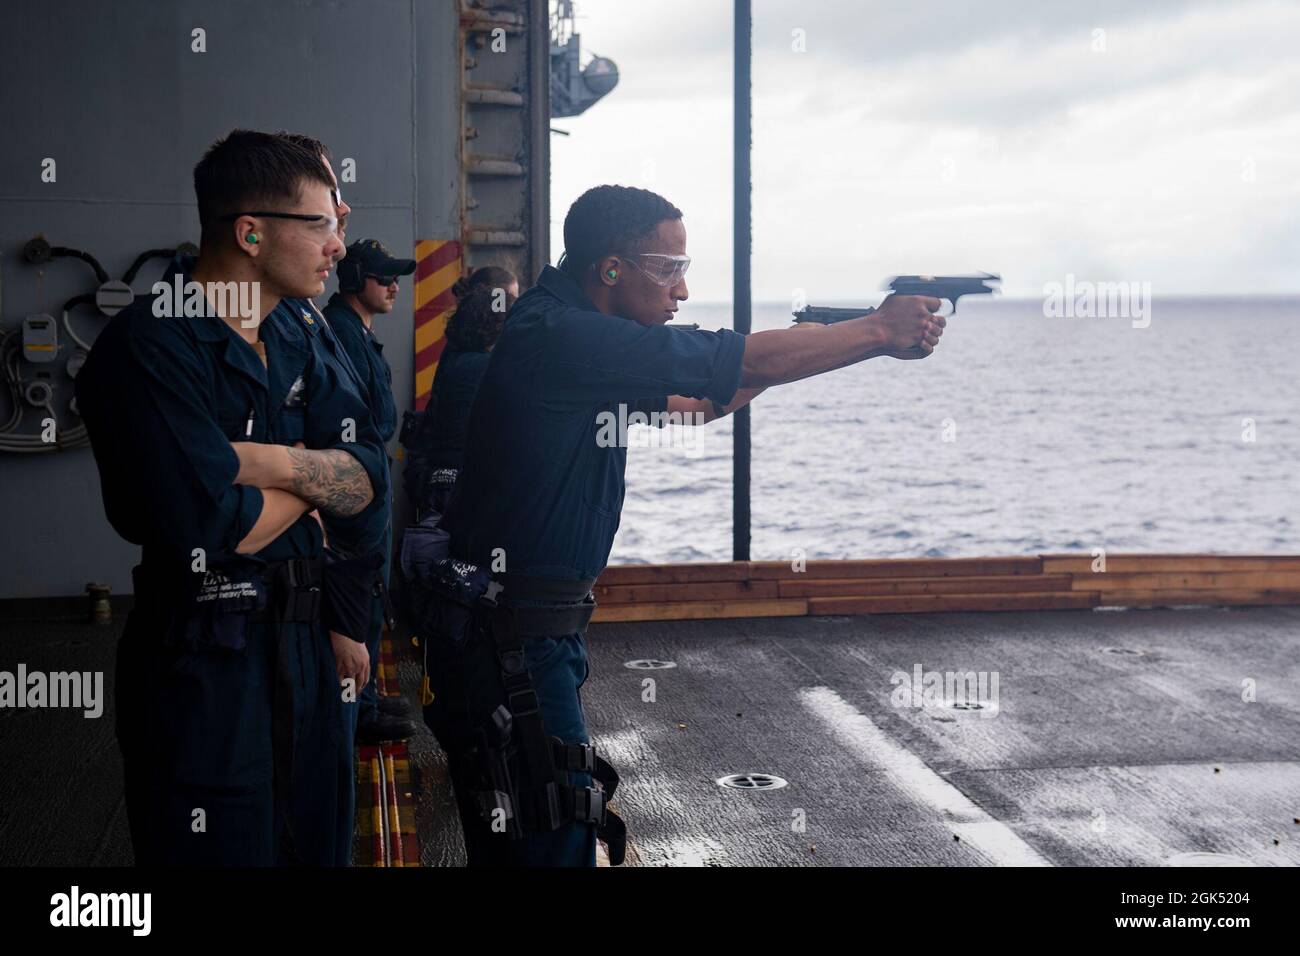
(950,288)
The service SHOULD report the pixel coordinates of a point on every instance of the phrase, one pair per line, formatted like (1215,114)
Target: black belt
(549,621)
(570,610)
(519,587)
(293,590)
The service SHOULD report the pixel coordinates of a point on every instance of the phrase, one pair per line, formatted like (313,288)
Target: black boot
(395,706)
(380,728)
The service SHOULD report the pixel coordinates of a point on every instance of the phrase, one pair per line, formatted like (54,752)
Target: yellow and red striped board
(437,267)
(385,833)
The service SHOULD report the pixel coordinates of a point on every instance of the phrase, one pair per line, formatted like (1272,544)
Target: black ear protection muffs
(350,277)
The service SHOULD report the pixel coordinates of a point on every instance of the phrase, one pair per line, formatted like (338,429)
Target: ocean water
(1021,434)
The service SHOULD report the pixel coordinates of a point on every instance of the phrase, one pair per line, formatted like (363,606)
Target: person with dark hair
(538,500)
(476,324)
(418,427)
(486,277)
(439,443)
(224,435)
(368,284)
(316,146)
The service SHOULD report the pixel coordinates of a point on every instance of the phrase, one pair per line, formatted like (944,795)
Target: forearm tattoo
(332,480)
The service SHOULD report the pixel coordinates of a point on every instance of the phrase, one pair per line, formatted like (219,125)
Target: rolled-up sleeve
(333,401)
(605,358)
(653,409)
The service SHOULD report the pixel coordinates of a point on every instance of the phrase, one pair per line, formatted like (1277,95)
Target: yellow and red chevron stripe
(437,267)
(385,833)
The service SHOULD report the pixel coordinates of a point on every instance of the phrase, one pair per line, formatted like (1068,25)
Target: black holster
(551,801)
(524,774)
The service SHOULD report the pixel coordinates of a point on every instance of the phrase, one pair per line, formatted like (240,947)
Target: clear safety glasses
(337,196)
(320,227)
(661,269)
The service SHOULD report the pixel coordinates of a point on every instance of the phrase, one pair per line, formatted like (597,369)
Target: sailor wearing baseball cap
(368,286)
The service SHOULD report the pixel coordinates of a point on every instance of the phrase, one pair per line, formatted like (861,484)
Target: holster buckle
(299,597)
(589,805)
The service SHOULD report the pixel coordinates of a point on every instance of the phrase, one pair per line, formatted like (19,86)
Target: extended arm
(786,355)
(331,479)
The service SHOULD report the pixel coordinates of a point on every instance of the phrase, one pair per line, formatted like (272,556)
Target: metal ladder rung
(478,236)
(493,96)
(483,166)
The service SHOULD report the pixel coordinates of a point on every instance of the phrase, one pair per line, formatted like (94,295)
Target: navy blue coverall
(366,354)
(539,484)
(439,444)
(227,717)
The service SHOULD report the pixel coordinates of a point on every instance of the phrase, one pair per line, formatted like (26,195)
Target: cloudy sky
(1155,141)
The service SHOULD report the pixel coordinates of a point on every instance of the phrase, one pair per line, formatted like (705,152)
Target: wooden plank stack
(677,592)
